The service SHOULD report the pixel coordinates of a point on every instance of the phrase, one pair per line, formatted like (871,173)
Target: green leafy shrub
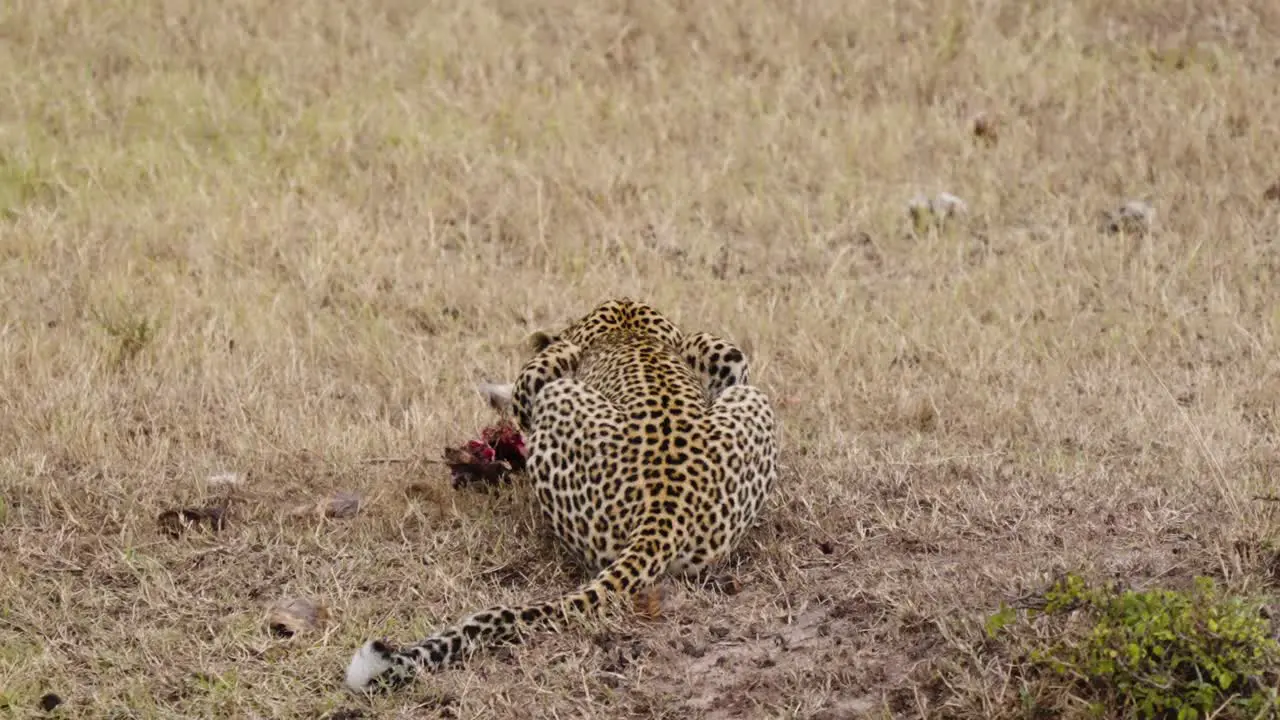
(1160,653)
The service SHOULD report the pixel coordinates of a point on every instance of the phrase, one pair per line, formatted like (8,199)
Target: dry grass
(282,241)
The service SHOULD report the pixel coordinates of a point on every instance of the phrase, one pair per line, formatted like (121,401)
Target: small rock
(294,615)
(225,480)
(946,205)
(342,505)
(1133,218)
(984,129)
(1272,193)
(925,212)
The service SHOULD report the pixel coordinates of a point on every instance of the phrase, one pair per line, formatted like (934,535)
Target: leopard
(650,455)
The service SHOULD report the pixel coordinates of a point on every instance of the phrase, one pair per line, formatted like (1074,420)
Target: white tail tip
(367,666)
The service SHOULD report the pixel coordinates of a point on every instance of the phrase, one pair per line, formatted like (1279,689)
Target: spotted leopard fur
(649,453)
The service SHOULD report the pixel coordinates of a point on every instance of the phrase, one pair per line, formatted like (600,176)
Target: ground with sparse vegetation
(253,257)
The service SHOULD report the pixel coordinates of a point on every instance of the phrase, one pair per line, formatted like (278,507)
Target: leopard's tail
(375,664)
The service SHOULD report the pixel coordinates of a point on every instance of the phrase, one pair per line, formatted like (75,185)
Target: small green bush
(1161,653)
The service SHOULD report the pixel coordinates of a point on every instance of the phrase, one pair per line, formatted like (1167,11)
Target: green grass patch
(1159,653)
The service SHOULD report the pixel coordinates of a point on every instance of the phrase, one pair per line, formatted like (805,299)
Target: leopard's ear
(498,396)
(540,341)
